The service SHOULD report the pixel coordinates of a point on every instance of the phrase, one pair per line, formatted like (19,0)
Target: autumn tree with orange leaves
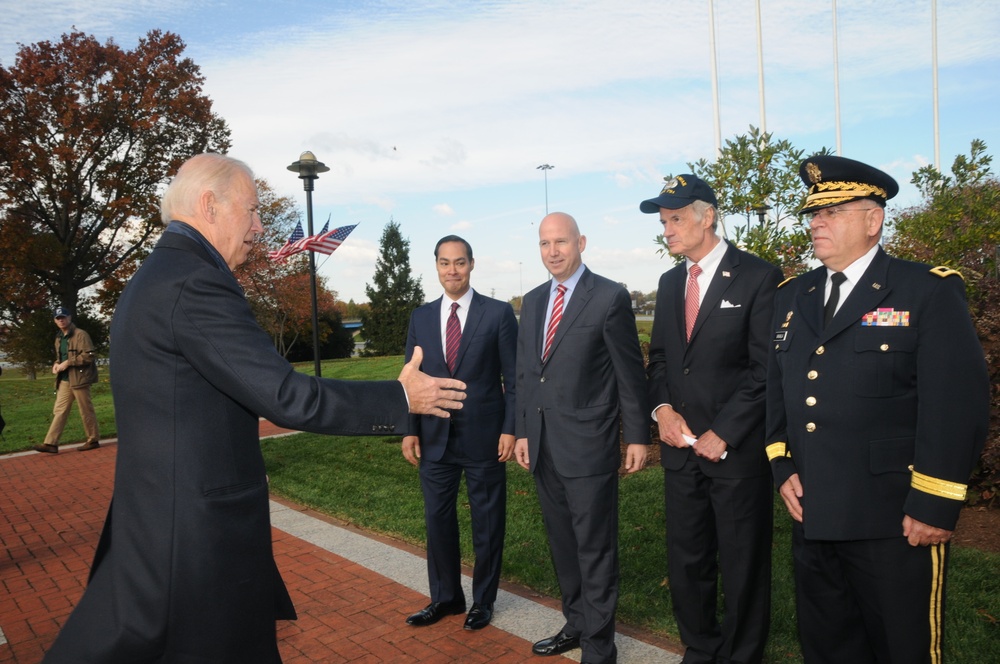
(279,292)
(89,134)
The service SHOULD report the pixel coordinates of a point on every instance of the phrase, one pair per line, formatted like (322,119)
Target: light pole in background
(545,168)
(308,169)
(761,211)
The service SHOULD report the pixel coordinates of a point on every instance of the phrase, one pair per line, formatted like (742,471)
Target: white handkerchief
(726,304)
(691,440)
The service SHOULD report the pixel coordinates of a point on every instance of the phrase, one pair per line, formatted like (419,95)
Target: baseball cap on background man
(60,312)
(834,180)
(678,192)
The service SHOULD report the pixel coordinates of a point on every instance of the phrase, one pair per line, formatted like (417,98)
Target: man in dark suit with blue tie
(464,334)
(579,375)
(707,367)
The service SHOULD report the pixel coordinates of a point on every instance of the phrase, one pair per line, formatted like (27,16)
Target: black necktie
(836,279)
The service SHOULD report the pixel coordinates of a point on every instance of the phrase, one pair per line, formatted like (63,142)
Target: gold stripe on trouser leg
(938,553)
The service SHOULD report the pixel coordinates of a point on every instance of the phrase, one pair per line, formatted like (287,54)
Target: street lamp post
(761,211)
(545,168)
(308,169)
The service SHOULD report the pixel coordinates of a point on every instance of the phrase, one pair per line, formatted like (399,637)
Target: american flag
(286,250)
(327,242)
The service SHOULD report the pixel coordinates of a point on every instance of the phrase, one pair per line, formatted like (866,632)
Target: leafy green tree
(958,225)
(393,296)
(757,178)
(89,133)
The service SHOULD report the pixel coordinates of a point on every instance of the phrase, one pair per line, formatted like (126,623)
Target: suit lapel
(541,306)
(435,354)
(809,300)
(865,296)
(678,275)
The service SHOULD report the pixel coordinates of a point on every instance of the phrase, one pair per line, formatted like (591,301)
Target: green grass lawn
(366,481)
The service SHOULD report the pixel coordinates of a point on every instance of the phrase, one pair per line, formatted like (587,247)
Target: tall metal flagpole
(715,78)
(760,71)
(934,66)
(836,79)
(307,167)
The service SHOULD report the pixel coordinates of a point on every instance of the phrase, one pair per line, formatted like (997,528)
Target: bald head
(217,196)
(561,245)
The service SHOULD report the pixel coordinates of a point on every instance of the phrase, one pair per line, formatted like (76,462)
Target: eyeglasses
(832,213)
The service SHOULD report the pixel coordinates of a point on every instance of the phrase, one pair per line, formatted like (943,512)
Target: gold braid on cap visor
(832,193)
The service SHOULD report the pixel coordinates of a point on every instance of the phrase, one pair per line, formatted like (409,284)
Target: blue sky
(436,114)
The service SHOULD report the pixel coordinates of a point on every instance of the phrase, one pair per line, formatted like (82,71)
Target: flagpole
(308,167)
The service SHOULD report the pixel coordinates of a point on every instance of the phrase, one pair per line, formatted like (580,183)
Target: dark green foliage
(393,296)
(958,225)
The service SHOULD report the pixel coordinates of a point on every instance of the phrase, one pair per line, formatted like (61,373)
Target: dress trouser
(65,396)
(875,601)
(729,520)
(486,483)
(581,521)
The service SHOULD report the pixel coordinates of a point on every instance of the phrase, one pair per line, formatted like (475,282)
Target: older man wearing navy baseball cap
(707,363)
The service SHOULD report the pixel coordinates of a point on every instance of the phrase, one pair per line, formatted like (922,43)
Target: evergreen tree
(393,296)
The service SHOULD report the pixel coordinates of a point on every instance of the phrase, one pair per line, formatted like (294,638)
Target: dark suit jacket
(184,570)
(717,380)
(878,420)
(486,364)
(592,379)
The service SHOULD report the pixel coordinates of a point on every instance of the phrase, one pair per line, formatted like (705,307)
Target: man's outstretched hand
(428,395)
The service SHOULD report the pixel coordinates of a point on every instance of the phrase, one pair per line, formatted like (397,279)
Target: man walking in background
(473,338)
(75,371)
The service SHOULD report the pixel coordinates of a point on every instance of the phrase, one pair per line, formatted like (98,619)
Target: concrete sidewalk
(352,590)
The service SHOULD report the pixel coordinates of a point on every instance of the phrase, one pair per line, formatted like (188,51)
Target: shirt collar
(463,302)
(857,269)
(570,283)
(712,259)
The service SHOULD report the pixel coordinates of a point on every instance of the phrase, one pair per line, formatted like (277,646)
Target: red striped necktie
(691,300)
(557,311)
(453,338)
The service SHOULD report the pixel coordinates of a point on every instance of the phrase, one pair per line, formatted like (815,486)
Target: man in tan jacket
(75,371)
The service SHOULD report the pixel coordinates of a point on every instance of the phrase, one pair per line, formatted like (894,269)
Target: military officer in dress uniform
(877,410)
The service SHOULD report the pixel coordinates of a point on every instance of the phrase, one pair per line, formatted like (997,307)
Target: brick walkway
(52,508)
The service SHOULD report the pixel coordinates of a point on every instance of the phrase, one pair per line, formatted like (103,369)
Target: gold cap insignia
(812,170)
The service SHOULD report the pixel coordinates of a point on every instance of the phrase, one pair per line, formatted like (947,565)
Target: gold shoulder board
(785,281)
(943,272)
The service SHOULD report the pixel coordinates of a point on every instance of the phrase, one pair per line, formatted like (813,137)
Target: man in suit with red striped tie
(579,375)
(464,334)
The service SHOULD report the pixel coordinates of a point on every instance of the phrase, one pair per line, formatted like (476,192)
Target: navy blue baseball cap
(678,192)
(834,180)
(60,312)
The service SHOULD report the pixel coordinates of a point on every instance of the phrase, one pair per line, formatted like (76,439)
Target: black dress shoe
(48,449)
(556,645)
(434,612)
(480,616)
